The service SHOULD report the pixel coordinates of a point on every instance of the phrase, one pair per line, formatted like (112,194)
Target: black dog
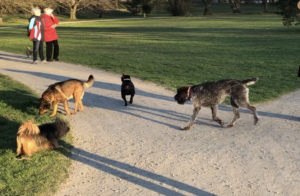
(210,94)
(127,88)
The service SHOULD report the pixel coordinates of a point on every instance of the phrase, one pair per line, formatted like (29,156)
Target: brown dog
(61,92)
(32,138)
(210,94)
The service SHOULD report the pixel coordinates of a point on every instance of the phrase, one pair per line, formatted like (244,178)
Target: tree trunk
(235,6)
(73,11)
(265,3)
(117,4)
(207,7)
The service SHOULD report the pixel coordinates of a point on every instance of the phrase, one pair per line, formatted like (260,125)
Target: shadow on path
(116,104)
(133,174)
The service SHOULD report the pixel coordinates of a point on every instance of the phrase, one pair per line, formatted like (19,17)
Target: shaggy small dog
(210,94)
(32,138)
(29,52)
(61,92)
(127,88)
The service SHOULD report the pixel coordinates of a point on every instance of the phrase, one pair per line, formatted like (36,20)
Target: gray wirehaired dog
(210,94)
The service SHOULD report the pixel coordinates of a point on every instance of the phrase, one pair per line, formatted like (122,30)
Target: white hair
(48,11)
(36,11)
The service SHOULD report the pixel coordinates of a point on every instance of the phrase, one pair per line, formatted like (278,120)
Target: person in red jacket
(50,23)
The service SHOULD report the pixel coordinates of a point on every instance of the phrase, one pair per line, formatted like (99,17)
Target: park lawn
(46,170)
(177,51)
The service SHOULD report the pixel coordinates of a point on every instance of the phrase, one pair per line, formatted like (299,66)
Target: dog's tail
(89,82)
(28,128)
(250,81)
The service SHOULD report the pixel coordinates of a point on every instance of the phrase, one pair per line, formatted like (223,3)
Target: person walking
(36,29)
(52,47)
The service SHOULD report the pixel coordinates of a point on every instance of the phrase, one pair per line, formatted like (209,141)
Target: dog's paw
(256,121)
(230,126)
(185,128)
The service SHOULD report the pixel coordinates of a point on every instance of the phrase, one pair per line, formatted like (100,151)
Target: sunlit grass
(177,51)
(46,169)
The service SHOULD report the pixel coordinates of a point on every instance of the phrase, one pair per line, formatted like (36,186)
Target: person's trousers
(38,48)
(52,47)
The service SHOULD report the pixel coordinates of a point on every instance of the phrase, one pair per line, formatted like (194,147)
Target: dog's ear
(122,77)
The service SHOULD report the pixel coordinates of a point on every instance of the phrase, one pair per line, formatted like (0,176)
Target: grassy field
(45,170)
(176,51)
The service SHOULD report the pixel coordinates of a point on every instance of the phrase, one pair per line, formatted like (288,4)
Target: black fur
(127,88)
(52,131)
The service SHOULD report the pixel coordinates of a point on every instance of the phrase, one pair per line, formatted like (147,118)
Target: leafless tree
(73,6)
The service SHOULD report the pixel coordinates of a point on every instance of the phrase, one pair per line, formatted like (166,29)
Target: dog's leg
(54,109)
(81,105)
(214,115)
(131,99)
(253,109)
(55,144)
(124,98)
(66,107)
(19,147)
(235,108)
(195,113)
(236,116)
(76,107)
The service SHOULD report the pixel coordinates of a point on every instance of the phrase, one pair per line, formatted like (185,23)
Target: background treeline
(288,8)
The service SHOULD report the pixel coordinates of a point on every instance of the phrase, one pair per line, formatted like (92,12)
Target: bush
(290,12)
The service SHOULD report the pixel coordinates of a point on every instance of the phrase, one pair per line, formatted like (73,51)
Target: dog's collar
(188,93)
(126,79)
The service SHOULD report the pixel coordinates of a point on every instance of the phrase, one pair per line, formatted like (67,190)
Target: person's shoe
(56,59)
(50,60)
(43,61)
(34,62)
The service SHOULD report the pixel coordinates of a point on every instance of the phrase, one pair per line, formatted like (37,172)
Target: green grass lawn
(176,51)
(45,170)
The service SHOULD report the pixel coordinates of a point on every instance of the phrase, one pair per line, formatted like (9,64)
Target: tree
(207,7)
(235,6)
(21,6)
(290,11)
(265,4)
(180,7)
(147,7)
(136,7)
(75,5)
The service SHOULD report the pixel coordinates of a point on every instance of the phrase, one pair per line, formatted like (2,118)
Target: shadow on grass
(135,175)
(174,30)
(20,100)
(8,130)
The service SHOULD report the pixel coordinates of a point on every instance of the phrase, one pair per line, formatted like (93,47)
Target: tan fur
(32,138)
(28,141)
(61,92)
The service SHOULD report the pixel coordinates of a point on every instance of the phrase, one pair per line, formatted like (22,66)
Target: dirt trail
(139,149)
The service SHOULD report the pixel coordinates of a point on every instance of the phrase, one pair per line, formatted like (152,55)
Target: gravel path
(139,149)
